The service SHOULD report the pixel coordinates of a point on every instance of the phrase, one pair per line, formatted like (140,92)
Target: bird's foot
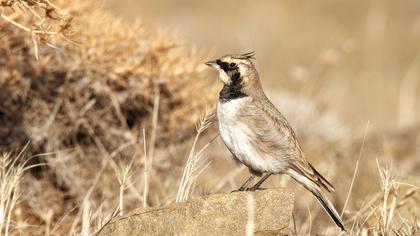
(239,190)
(253,189)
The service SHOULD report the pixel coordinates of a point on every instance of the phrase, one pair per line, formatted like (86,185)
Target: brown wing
(306,169)
(269,135)
(275,135)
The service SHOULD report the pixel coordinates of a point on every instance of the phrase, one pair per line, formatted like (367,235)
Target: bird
(258,135)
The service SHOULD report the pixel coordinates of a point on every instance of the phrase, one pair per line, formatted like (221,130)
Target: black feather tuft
(246,56)
(325,203)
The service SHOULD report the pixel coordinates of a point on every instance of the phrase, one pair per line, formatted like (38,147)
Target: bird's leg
(243,187)
(258,184)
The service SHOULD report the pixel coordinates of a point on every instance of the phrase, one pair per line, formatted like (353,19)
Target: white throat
(224,77)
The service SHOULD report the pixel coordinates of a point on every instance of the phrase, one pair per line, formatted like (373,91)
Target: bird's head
(235,69)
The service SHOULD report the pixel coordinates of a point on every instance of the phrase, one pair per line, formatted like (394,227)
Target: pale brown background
(359,58)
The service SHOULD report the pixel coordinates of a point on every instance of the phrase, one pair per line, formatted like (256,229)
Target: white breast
(236,136)
(227,116)
(227,111)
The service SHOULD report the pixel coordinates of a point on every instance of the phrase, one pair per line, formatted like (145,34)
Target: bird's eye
(232,64)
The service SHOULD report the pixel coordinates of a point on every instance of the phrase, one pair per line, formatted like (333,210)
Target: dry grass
(115,105)
(193,168)
(111,73)
(10,175)
(12,170)
(87,103)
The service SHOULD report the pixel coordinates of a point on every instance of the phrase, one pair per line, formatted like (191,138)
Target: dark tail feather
(322,199)
(324,182)
(329,208)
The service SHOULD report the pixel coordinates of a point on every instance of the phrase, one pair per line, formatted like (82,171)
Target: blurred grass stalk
(12,169)
(148,164)
(10,177)
(192,170)
(407,96)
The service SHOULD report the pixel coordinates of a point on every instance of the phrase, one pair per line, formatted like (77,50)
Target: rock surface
(266,212)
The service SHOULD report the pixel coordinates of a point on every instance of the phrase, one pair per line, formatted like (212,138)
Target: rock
(266,212)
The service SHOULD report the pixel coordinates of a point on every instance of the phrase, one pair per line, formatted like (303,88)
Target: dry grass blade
(124,179)
(145,171)
(148,163)
(12,169)
(385,208)
(355,169)
(387,211)
(188,176)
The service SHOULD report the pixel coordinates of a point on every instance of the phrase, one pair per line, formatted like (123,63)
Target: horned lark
(258,135)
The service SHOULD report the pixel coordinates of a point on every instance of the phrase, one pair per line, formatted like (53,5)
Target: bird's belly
(239,140)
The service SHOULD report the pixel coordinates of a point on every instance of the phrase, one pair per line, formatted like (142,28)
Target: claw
(252,189)
(241,189)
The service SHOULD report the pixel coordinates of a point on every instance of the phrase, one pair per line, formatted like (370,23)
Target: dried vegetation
(113,107)
(81,84)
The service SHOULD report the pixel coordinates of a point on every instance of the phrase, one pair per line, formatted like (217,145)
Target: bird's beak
(212,64)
